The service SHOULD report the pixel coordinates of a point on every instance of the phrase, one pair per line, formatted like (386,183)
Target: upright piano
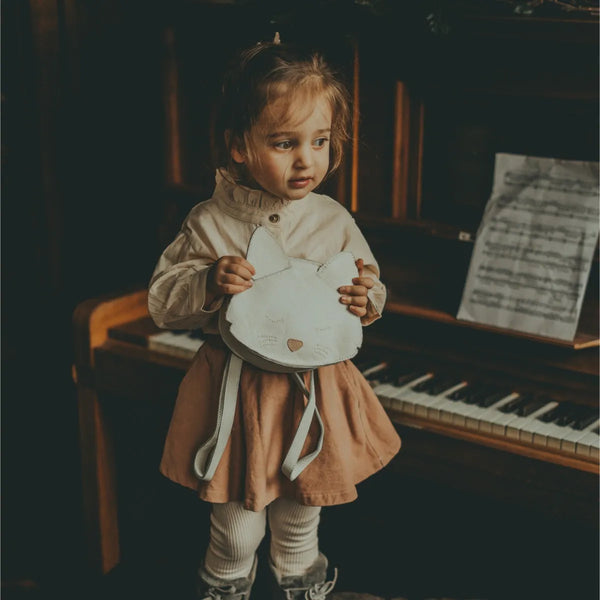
(505,415)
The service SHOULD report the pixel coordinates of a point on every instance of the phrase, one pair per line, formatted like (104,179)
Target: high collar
(245,203)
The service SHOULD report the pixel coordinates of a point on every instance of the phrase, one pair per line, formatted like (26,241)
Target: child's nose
(304,156)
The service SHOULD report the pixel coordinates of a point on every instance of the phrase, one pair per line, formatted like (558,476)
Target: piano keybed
(182,343)
(521,418)
(447,403)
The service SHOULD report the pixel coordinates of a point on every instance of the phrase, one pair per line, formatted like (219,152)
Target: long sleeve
(356,243)
(177,290)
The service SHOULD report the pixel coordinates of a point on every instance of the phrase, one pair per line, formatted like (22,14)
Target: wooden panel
(91,321)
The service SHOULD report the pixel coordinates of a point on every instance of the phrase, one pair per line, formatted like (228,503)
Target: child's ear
(238,151)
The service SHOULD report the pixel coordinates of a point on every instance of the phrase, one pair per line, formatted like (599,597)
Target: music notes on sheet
(534,247)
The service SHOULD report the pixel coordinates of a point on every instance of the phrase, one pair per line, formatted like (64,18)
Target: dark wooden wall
(82,158)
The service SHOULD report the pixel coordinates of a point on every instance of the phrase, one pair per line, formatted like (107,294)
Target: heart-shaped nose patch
(294,345)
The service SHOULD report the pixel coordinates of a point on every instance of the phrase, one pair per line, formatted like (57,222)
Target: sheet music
(534,247)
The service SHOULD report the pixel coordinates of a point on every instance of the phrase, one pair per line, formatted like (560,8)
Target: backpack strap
(209,454)
(293,465)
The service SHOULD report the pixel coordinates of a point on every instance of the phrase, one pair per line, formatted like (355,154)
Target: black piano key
(467,393)
(514,405)
(366,364)
(442,384)
(424,386)
(568,416)
(560,415)
(530,405)
(403,379)
(583,416)
(585,420)
(485,395)
(387,375)
(485,401)
(436,385)
(461,393)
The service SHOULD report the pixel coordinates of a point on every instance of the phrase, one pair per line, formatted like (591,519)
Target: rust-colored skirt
(359,437)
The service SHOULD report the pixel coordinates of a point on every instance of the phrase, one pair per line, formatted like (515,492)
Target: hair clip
(277,39)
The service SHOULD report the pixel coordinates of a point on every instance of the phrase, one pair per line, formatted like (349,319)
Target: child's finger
(366,281)
(238,261)
(359,311)
(360,263)
(354,300)
(240,270)
(233,289)
(230,280)
(353,290)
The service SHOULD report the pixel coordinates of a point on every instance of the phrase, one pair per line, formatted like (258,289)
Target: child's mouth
(300,183)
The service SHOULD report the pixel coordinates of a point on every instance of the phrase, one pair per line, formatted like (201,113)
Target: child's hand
(355,296)
(229,275)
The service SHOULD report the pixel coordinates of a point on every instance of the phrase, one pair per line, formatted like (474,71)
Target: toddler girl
(284,119)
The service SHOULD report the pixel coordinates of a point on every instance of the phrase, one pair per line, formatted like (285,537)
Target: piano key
(589,445)
(586,420)
(569,442)
(521,424)
(493,414)
(458,412)
(403,397)
(369,368)
(424,403)
(511,413)
(176,343)
(388,392)
(556,425)
(481,418)
(489,410)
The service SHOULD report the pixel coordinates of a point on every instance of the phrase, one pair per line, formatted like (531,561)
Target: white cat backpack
(289,321)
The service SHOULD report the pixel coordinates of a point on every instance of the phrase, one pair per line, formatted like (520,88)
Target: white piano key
(480,417)
(589,445)
(403,396)
(385,392)
(425,401)
(515,429)
(388,392)
(537,427)
(493,414)
(569,442)
(549,435)
(447,410)
(176,344)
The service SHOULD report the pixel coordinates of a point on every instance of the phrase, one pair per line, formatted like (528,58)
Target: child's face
(289,158)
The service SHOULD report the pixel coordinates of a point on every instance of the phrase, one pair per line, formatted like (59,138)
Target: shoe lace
(219,592)
(319,591)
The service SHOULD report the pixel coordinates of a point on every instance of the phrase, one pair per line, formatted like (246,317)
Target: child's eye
(285,145)
(320,142)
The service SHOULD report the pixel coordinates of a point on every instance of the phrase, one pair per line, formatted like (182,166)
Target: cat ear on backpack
(339,270)
(265,254)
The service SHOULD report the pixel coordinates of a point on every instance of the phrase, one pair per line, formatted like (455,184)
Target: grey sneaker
(214,588)
(312,585)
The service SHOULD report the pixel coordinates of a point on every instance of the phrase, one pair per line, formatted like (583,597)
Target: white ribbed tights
(236,533)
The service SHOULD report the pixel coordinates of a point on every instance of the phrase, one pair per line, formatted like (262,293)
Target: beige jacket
(314,228)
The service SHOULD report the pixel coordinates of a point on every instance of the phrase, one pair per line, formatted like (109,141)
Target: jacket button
(274,218)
